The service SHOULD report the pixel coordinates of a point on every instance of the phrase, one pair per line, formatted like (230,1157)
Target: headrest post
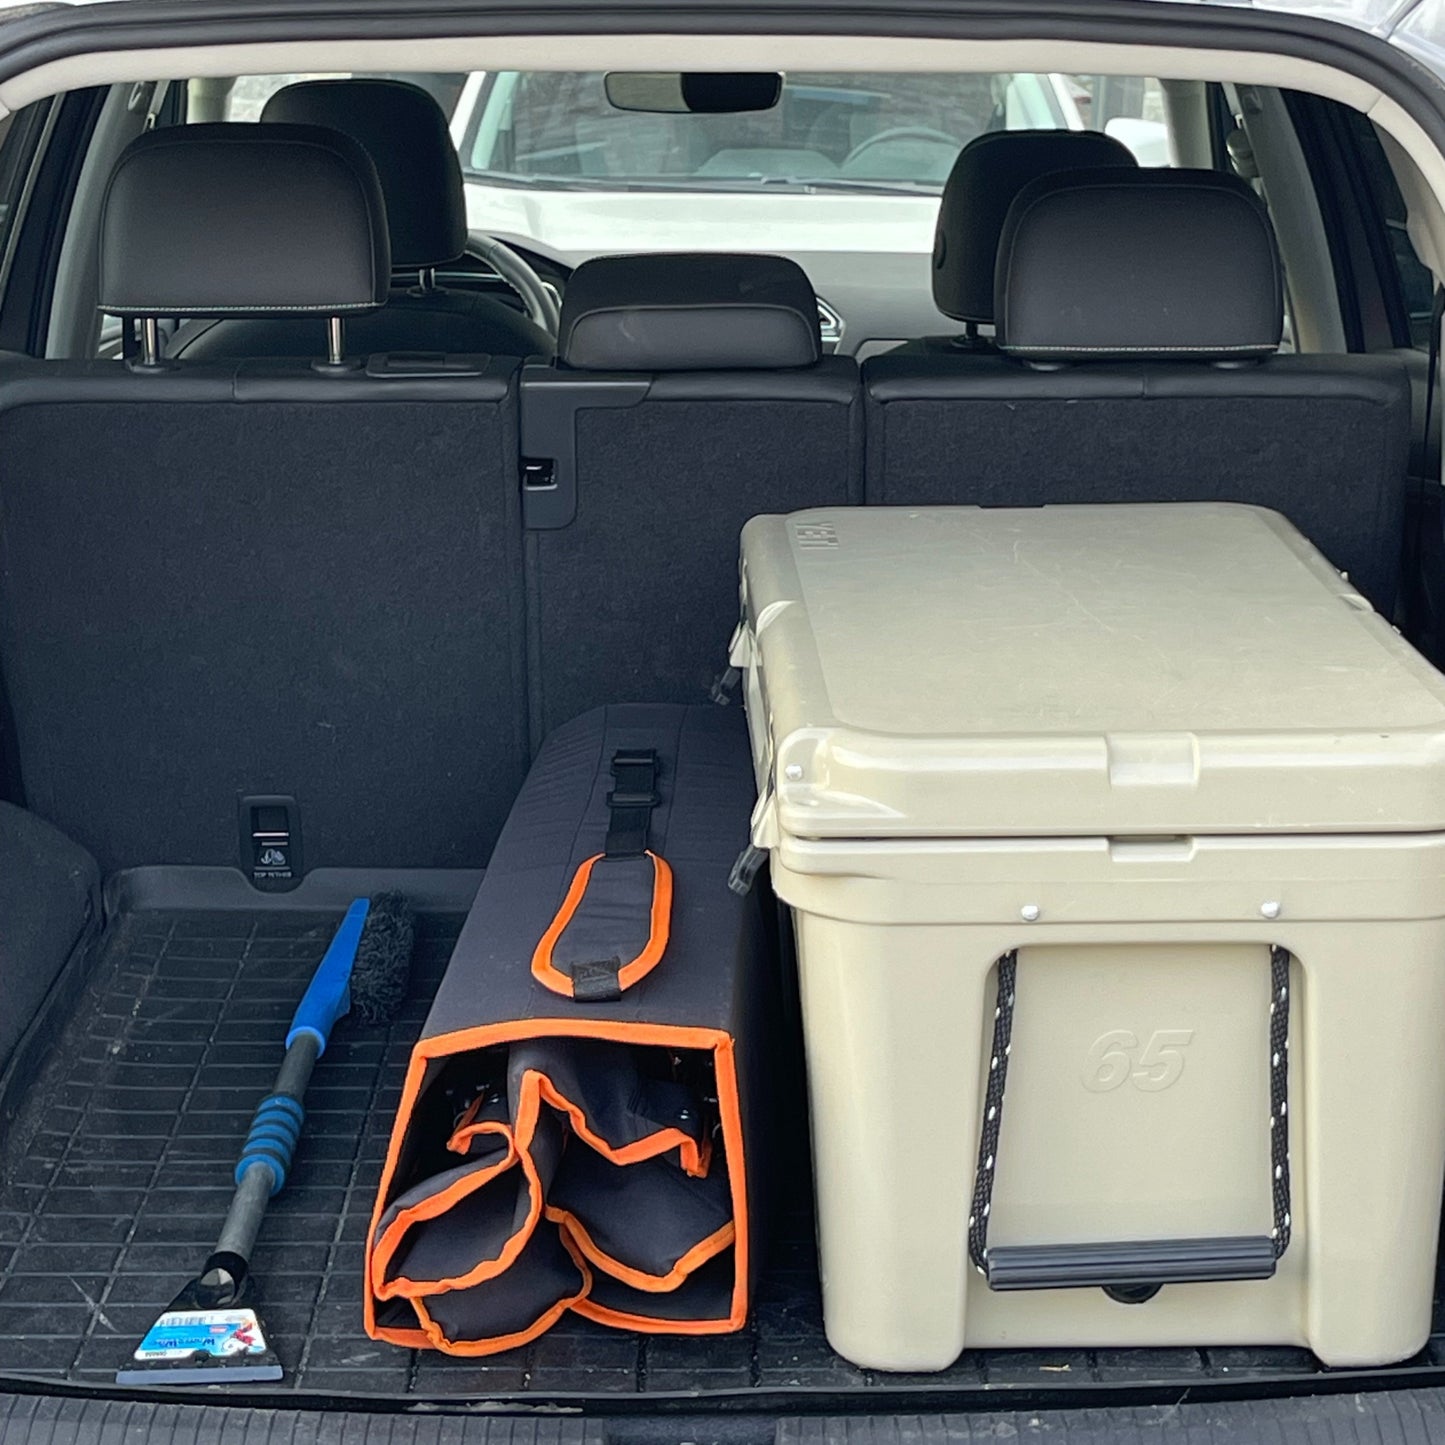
(335,341)
(150,342)
(427,280)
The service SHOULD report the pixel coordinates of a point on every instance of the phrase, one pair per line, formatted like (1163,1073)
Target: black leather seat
(989,172)
(1139,314)
(690,394)
(404,131)
(273,579)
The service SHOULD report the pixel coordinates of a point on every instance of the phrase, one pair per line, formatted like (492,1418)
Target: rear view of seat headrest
(689,313)
(237,220)
(1138,263)
(989,172)
(405,133)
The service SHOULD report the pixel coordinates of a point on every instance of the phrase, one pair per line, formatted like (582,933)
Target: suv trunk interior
(117,1170)
(274,636)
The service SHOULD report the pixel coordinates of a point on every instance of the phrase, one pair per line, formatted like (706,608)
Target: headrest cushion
(989,172)
(1139,263)
(237,220)
(405,133)
(689,313)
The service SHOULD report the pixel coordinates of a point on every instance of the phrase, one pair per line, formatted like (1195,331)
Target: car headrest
(1138,263)
(236,220)
(405,133)
(689,313)
(989,172)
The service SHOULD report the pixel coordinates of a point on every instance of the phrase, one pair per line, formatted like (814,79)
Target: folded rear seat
(292,593)
(579,1124)
(1139,314)
(690,393)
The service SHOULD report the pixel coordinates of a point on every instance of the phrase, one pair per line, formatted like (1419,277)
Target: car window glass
(828,131)
(250,93)
(1417,286)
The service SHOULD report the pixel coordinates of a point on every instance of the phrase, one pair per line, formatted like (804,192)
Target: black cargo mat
(116,1176)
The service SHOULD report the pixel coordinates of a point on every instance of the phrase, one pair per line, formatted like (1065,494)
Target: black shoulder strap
(612,927)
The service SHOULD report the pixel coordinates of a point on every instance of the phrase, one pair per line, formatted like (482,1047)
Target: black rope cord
(1279,1095)
(1003,1025)
(1003,1018)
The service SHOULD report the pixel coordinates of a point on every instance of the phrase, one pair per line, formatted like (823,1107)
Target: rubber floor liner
(116,1168)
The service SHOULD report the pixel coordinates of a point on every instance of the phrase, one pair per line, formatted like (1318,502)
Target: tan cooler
(1115,840)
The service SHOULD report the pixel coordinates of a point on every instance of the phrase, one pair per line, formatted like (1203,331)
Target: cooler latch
(762,835)
(740,655)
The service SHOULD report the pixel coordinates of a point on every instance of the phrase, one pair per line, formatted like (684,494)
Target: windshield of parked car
(827,132)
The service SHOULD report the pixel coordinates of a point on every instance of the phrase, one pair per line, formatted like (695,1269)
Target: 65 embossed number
(1116,1057)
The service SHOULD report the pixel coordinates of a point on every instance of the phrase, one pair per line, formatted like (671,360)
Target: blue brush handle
(328,996)
(271,1144)
(276,1126)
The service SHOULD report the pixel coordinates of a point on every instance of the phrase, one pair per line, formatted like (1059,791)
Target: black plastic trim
(1309,119)
(32,1418)
(550,401)
(323,890)
(1395,1417)
(25,319)
(1402,1417)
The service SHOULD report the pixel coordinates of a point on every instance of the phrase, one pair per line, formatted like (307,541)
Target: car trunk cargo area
(117,1168)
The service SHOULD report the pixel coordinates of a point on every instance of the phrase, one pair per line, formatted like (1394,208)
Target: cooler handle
(1138,1264)
(1131,1270)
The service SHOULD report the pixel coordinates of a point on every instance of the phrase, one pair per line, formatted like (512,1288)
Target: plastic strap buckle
(633,797)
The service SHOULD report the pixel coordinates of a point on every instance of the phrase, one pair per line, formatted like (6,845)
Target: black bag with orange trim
(579,1128)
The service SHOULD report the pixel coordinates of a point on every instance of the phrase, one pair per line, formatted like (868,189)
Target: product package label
(180,1334)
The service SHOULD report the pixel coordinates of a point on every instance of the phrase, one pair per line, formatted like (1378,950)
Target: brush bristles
(382,970)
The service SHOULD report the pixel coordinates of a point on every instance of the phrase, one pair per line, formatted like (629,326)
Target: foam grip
(271,1143)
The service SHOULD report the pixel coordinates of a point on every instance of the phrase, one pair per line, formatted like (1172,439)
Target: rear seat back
(690,393)
(1139,313)
(261,578)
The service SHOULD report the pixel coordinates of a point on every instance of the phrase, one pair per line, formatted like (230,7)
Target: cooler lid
(1164,669)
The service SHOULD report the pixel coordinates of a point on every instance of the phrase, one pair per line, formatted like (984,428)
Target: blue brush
(210,1333)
